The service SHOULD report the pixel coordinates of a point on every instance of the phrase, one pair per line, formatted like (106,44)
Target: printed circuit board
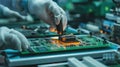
(68,43)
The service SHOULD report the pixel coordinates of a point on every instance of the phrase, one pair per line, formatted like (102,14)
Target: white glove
(10,13)
(12,39)
(48,11)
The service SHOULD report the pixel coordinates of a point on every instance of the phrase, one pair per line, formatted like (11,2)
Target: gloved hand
(5,11)
(12,39)
(48,11)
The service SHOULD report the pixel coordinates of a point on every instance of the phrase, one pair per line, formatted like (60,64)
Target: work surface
(57,53)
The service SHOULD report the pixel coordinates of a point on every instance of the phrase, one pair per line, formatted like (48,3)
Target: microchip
(67,38)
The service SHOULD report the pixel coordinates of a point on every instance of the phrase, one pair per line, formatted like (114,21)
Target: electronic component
(116,30)
(68,38)
(115,33)
(116,2)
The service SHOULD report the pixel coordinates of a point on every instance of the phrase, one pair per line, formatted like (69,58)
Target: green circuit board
(53,44)
(115,65)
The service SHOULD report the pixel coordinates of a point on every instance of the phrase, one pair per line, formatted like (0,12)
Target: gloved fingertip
(64,22)
(57,19)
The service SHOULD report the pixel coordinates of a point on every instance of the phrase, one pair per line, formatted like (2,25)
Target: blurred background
(100,18)
(97,16)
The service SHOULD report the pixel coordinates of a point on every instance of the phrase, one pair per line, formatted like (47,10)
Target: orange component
(63,39)
(101,31)
(61,43)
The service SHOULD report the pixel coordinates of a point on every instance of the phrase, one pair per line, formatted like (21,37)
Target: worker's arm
(10,13)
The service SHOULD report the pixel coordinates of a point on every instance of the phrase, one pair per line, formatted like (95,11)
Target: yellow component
(63,39)
(60,43)
(101,31)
